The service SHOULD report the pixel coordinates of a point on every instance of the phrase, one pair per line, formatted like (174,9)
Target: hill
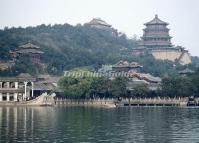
(67,46)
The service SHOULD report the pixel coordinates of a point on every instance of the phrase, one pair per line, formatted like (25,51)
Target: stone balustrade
(154,101)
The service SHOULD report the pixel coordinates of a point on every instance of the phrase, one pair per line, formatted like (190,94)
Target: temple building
(157,41)
(156,34)
(28,50)
(120,66)
(101,24)
(131,70)
(98,23)
(125,66)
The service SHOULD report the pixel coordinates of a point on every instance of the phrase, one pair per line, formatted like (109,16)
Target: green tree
(119,87)
(75,87)
(176,87)
(194,77)
(141,90)
(101,87)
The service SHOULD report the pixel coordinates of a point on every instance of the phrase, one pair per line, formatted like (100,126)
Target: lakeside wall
(105,102)
(111,102)
(50,100)
(157,101)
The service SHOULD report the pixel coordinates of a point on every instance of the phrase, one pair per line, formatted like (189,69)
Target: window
(12,85)
(4,85)
(11,98)
(4,97)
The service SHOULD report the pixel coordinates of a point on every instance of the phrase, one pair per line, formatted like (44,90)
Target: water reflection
(20,123)
(81,124)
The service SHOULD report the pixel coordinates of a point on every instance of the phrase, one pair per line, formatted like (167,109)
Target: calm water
(84,124)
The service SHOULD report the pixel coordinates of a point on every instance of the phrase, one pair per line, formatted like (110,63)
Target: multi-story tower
(157,42)
(156,34)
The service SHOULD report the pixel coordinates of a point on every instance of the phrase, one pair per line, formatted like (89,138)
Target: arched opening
(29,89)
(4,97)
(12,85)
(21,85)
(4,85)
(11,97)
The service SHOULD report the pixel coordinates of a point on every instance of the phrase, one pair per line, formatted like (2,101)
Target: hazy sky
(125,15)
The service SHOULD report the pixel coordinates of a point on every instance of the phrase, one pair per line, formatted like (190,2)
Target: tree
(141,90)
(194,77)
(176,87)
(77,87)
(119,87)
(101,87)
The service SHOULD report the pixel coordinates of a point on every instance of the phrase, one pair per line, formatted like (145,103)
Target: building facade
(19,88)
(125,66)
(28,50)
(156,34)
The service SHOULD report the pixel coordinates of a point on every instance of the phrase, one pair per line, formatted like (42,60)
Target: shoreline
(46,100)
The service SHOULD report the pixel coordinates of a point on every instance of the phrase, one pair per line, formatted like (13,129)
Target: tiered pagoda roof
(156,21)
(29,45)
(156,34)
(29,48)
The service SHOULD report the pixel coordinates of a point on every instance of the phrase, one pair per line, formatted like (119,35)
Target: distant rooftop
(186,71)
(24,75)
(123,63)
(156,20)
(98,21)
(29,46)
(33,51)
(21,77)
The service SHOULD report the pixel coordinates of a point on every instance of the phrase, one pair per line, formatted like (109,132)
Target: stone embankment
(110,103)
(51,100)
(153,102)
(107,103)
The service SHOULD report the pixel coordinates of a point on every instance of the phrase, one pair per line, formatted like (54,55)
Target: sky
(127,16)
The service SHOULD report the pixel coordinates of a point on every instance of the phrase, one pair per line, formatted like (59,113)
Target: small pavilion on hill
(28,50)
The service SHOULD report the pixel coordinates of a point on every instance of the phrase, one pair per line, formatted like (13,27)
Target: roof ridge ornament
(155,21)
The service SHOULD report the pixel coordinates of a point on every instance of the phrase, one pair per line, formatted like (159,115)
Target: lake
(89,124)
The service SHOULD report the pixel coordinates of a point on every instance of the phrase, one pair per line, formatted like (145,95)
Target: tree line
(103,87)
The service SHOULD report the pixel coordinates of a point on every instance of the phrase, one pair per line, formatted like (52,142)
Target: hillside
(67,46)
